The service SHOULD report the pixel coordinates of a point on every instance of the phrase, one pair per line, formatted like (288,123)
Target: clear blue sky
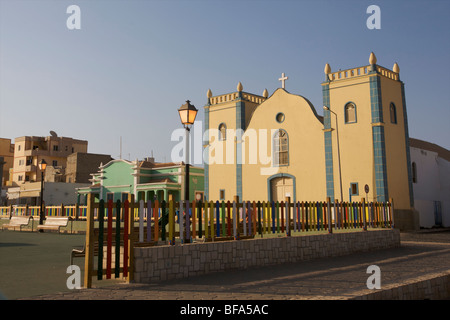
(134,63)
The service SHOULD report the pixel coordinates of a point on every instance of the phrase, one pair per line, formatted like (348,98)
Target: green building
(147,180)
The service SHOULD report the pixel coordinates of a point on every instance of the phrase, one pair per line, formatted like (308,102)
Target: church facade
(262,147)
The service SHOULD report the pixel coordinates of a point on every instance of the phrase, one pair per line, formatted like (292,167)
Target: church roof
(319,117)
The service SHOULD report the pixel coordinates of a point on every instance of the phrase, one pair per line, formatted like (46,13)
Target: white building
(55,193)
(430,165)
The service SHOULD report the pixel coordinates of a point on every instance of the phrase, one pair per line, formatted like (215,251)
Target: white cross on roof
(283,79)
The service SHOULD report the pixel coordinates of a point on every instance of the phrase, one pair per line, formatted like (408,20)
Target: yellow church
(262,147)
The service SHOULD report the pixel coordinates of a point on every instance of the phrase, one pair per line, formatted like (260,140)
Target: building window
(281,148)
(414,172)
(280,117)
(20,178)
(222,132)
(222,194)
(350,112)
(54,163)
(354,189)
(55,148)
(110,196)
(393,112)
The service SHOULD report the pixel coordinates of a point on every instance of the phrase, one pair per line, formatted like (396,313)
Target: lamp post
(339,154)
(187,113)
(42,166)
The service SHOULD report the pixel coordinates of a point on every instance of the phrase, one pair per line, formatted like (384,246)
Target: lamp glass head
(42,165)
(187,113)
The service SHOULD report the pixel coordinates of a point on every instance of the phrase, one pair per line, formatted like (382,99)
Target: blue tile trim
(326,102)
(380,163)
(408,155)
(240,124)
(375,100)
(329,165)
(206,154)
(379,148)
(328,143)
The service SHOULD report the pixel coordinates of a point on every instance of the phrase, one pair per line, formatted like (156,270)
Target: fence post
(363,203)
(89,257)
(181,220)
(199,215)
(130,243)
(156,221)
(77,207)
(391,211)
(244,217)
(141,220)
(194,219)
(330,225)
(211,217)
(117,238)
(109,239)
(205,212)
(187,222)
(101,217)
(224,231)
(249,217)
(287,205)
(217,218)
(235,208)
(259,218)
(149,220)
(236,218)
(171,222)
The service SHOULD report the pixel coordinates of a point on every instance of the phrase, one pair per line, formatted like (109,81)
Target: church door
(281,188)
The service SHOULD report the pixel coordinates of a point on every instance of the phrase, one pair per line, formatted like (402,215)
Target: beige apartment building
(7,153)
(29,151)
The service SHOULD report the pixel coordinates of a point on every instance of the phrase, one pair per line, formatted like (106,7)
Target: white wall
(57,193)
(433,184)
(444,179)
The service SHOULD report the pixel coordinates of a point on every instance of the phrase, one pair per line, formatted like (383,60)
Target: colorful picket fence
(123,225)
(112,241)
(76,212)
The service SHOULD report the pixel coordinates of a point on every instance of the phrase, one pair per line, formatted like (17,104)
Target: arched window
(414,172)
(222,132)
(393,112)
(281,148)
(350,112)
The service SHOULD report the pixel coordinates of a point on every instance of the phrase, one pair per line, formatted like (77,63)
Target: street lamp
(187,113)
(339,154)
(42,166)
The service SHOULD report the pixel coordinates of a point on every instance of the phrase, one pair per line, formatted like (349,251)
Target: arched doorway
(281,186)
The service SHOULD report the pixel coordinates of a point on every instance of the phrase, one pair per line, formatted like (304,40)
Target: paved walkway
(422,254)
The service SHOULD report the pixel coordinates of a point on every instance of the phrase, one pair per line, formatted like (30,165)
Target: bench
(77,253)
(18,221)
(54,223)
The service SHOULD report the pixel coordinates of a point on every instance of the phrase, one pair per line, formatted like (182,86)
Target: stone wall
(160,263)
(434,286)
